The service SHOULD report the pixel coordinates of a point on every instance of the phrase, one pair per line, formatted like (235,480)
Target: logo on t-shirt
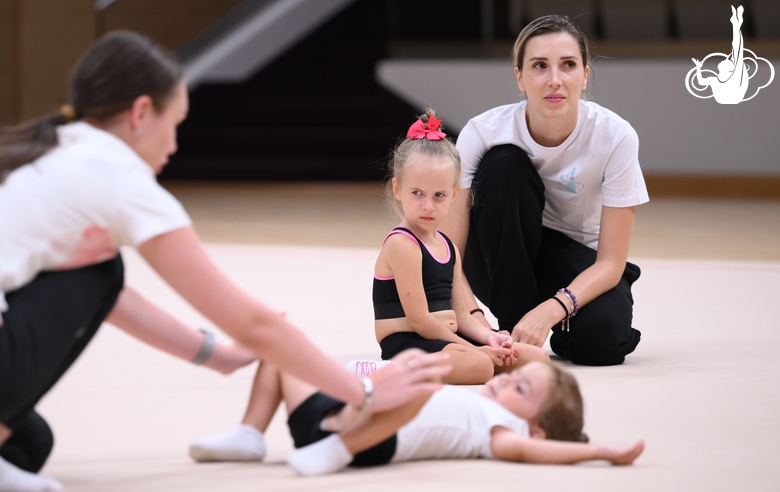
(730,83)
(569,187)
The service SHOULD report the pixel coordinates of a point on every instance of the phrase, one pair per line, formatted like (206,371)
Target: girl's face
(522,391)
(426,191)
(155,141)
(553,75)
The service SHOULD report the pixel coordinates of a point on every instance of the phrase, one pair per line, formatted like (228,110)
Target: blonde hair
(550,24)
(409,147)
(562,415)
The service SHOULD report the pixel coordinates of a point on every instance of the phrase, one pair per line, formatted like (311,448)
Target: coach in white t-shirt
(555,181)
(70,195)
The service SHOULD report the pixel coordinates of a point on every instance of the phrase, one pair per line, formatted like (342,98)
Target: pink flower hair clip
(418,130)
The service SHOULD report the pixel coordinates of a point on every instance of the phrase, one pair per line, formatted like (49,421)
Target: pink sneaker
(362,368)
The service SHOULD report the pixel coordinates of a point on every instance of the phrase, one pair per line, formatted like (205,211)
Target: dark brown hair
(562,415)
(117,69)
(550,24)
(409,147)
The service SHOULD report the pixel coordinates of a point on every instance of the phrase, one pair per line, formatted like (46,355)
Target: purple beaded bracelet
(572,299)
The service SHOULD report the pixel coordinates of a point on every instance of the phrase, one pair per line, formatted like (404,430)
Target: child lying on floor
(527,415)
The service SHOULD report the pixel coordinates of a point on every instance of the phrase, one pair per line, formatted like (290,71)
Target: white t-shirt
(78,203)
(598,164)
(454,423)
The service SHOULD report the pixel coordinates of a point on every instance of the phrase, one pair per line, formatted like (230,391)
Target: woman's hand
(412,373)
(534,327)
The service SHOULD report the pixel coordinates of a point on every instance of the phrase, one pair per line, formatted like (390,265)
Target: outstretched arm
(182,262)
(143,320)
(510,446)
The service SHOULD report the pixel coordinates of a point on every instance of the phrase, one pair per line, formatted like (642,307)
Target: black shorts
(304,423)
(396,343)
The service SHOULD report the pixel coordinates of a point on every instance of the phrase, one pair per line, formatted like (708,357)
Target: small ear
(519,77)
(585,81)
(140,111)
(395,188)
(536,432)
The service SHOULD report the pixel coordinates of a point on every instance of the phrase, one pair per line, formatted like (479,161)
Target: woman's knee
(508,166)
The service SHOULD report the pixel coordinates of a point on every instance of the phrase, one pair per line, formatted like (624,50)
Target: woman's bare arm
(140,318)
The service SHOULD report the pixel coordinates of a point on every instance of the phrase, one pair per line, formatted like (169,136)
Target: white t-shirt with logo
(598,164)
(78,203)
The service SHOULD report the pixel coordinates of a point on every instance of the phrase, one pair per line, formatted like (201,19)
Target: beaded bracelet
(572,299)
(477,310)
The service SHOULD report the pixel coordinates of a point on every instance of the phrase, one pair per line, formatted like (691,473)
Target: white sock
(363,367)
(326,456)
(244,443)
(13,479)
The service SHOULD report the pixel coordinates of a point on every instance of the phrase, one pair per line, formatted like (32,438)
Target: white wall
(678,133)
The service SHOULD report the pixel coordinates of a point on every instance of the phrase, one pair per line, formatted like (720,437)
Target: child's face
(522,391)
(426,191)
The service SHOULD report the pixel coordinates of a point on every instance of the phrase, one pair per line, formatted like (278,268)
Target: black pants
(48,323)
(513,263)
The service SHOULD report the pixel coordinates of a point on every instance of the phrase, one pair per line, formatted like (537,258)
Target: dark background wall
(317,111)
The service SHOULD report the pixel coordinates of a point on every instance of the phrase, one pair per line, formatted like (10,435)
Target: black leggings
(513,263)
(48,323)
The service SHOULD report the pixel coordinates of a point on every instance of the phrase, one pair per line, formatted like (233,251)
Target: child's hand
(503,340)
(496,354)
(619,456)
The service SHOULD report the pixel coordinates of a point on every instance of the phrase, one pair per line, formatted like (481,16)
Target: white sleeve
(471,148)
(624,185)
(144,209)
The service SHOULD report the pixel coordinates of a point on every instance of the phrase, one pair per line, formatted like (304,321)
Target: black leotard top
(437,281)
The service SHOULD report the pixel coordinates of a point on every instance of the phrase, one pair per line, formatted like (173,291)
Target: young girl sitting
(419,298)
(510,419)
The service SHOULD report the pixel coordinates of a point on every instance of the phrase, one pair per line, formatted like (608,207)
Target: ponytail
(117,69)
